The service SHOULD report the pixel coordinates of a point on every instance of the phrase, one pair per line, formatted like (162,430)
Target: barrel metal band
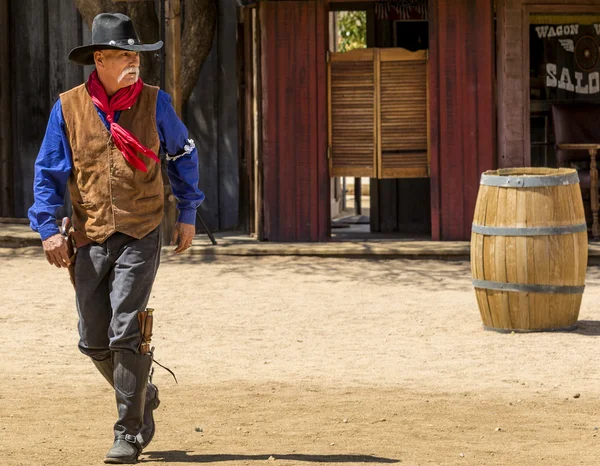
(539,231)
(528,288)
(529,181)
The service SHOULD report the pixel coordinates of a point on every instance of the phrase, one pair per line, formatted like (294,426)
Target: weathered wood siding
(295,177)
(5,114)
(211,115)
(462,111)
(42,32)
(200,114)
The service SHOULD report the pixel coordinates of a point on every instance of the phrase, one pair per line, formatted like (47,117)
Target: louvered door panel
(352,114)
(403,134)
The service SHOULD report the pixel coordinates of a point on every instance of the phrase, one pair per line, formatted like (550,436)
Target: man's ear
(99,58)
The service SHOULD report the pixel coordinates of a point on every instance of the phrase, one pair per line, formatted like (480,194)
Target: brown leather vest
(107,193)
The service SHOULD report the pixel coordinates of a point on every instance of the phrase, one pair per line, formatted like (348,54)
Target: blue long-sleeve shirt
(54,164)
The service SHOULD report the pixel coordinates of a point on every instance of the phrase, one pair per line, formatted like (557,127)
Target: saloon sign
(571,54)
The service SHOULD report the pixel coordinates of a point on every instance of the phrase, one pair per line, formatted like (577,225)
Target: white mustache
(126,71)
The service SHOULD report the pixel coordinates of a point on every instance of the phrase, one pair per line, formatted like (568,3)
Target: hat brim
(84,55)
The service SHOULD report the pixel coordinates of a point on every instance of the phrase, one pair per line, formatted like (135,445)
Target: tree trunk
(196,41)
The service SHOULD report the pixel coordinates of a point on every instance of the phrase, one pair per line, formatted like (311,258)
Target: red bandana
(124,99)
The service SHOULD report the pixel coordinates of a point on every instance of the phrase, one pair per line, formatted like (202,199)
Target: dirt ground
(297,361)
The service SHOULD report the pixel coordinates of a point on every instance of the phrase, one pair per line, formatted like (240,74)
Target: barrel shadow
(589,328)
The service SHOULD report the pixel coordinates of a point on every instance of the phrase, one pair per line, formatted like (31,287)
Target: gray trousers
(113,282)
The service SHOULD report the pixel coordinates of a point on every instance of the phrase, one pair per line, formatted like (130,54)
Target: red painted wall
(294,109)
(462,111)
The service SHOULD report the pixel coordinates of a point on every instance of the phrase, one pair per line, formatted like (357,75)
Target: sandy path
(272,354)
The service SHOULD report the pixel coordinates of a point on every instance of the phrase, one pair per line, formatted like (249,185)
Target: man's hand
(56,251)
(183,236)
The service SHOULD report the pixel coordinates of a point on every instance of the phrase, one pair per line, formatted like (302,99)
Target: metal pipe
(357,196)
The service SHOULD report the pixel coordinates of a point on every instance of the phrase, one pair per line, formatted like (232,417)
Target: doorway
(389,200)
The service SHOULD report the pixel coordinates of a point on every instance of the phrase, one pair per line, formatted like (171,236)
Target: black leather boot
(106,368)
(130,378)
(148,428)
(125,450)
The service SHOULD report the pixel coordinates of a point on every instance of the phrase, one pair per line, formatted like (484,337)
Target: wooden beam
(257,123)
(433,95)
(172,41)
(350,5)
(5,115)
(173,52)
(247,199)
(337,2)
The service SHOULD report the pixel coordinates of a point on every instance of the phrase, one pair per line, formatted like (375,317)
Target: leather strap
(79,239)
(130,439)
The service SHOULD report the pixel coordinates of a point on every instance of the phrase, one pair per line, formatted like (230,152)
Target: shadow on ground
(433,275)
(590,328)
(179,456)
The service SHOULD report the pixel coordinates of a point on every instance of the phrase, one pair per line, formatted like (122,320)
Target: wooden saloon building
(422,118)
(445,90)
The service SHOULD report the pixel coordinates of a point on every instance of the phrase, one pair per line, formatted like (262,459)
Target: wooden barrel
(529,249)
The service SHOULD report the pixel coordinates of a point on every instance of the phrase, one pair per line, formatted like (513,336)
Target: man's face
(118,68)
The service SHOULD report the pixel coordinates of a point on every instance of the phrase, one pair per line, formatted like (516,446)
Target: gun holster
(75,240)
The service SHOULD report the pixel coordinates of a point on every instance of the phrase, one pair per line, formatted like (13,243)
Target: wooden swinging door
(378,113)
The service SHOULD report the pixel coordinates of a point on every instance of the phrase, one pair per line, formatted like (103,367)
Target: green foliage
(352,30)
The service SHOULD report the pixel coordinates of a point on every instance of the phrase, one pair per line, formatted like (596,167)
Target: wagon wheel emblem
(586,53)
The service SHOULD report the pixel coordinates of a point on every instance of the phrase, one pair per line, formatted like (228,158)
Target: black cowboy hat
(111,31)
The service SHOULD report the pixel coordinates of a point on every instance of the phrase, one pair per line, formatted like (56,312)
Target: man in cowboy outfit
(102,143)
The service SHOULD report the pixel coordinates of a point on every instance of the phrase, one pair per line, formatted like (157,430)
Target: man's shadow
(179,456)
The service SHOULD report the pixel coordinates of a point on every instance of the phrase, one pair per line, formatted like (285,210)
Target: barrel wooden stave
(559,259)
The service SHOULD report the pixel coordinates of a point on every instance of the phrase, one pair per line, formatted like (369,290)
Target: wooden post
(594,193)
(172,41)
(257,124)
(5,115)
(173,51)
(247,126)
